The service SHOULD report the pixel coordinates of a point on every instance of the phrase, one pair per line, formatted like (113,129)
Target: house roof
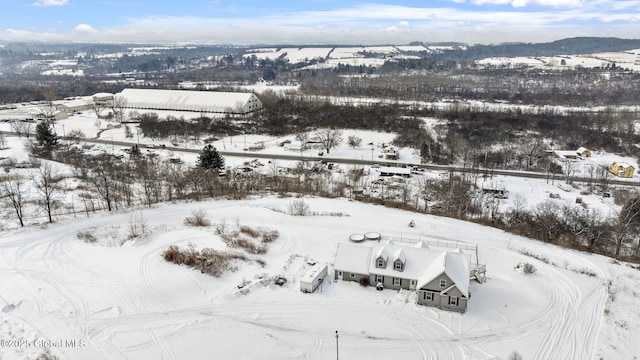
(394,170)
(422,245)
(623,164)
(421,264)
(353,258)
(382,253)
(399,255)
(565,153)
(581,149)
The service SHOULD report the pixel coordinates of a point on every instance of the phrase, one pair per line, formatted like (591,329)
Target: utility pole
(337,357)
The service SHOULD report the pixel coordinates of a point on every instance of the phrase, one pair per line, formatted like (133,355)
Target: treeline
(572,87)
(111,183)
(479,136)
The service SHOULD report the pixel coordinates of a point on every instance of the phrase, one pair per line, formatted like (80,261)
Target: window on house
(353,276)
(396,281)
(379,278)
(340,273)
(413,282)
(428,295)
(380,263)
(443,283)
(398,265)
(453,300)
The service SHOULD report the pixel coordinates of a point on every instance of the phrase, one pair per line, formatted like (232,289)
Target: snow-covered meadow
(128,302)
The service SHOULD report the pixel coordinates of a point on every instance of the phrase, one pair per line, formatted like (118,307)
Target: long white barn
(232,103)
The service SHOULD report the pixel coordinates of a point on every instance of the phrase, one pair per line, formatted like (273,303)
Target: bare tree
(102,179)
(21,128)
(46,183)
(330,138)
(569,170)
(546,216)
(602,177)
(626,225)
(98,107)
(14,189)
(532,151)
(3,144)
(48,112)
(303,137)
(118,104)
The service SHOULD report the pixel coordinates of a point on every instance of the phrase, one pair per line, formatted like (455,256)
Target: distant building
(227,103)
(390,153)
(622,169)
(571,154)
(72,106)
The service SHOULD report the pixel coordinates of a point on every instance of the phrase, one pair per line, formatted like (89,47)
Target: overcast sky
(316,21)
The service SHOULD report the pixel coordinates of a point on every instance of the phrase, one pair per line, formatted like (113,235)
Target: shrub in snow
(526,268)
(515,356)
(86,236)
(208,261)
(298,208)
(198,218)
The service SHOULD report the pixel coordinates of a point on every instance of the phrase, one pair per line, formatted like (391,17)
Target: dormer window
(380,263)
(398,265)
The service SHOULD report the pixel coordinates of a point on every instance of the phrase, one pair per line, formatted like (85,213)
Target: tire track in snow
(290,243)
(154,257)
(565,298)
(160,344)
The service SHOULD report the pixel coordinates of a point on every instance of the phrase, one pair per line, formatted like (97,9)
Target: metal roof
(190,100)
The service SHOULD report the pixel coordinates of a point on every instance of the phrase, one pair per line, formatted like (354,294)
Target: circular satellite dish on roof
(356,237)
(372,236)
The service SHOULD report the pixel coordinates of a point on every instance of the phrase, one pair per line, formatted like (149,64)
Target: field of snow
(127,302)
(628,59)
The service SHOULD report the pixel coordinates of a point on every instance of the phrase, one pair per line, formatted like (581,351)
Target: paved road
(355,161)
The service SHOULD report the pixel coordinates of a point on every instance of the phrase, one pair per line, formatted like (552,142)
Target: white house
(390,153)
(440,278)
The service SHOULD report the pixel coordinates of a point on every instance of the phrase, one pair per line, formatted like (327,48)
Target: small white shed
(311,279)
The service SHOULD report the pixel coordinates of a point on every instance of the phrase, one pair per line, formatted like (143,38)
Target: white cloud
(357,24)
(46,3)
(85,28)
(525,3)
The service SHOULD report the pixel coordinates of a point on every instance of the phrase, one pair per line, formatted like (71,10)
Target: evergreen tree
(47,141)
(209,158)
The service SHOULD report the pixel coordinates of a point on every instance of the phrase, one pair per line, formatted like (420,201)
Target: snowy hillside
(125,301)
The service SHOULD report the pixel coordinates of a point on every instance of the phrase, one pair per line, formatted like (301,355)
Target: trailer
(311,279)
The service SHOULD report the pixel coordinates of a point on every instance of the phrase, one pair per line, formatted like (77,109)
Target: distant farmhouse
(227,103)
(439,278)
(390,153)
(581,152)
(621,169)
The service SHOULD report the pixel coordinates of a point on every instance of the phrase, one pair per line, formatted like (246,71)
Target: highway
(355,161)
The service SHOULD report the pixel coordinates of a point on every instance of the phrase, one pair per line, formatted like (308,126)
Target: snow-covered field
(626,60)
(127,302)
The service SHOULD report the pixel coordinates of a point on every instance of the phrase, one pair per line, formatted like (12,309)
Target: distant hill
(577,45)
